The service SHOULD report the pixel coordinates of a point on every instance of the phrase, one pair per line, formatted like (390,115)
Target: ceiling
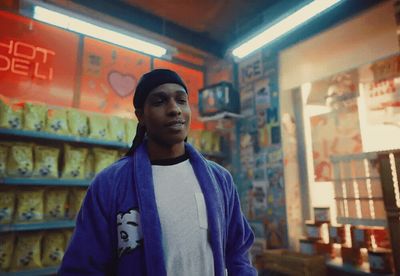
(214,26)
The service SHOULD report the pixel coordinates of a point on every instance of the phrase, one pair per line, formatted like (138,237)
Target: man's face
(166,114)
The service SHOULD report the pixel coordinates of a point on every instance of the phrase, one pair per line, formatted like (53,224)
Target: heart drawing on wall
(122,84)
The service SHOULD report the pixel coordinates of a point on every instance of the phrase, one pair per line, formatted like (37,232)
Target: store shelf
(44,181)
(43,225)
(34,272)
(64,138)
(219,155)
(363,222)
(357,178)
(338,264)
(219,116)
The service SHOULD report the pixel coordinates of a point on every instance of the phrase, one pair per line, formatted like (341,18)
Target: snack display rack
(68,222)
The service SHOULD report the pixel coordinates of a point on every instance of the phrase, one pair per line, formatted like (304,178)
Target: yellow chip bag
(57,121)
(29,205)
(53,248)
(34,116)
(3,159)
(116,127)
(89,166)
(215,143)
(10,114)
(55,203)
(103,158)
(6,250)
(67,236)
(77,122)
(27,251)
(206,141)
(75,201)
(98,127)
(7,205)
(20,160)
(130,130)
(46,162)
(74,162)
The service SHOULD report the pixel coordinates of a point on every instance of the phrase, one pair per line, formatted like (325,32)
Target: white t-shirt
(183,217)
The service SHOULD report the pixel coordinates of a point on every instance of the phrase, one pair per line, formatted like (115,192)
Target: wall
(366,38)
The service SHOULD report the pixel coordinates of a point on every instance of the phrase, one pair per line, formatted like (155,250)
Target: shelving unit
(47,138)
(338,264)
(34,272)
(62,138)
(44,181)
(43,225)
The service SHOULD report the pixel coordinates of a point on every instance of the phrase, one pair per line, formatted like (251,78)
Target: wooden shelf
(361,221)
(338,264)
(220,116)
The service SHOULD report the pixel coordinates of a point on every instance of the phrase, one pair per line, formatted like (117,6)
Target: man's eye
(157,101)
(182,101)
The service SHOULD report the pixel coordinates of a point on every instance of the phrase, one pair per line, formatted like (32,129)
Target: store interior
(307,122)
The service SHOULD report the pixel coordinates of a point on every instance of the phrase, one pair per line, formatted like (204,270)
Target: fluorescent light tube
(89,29)
(285,25)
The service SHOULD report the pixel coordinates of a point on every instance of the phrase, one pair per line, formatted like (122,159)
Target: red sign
(194,81)
(109,77)
(35,64)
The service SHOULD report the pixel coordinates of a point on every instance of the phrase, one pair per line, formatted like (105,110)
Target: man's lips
(175,123)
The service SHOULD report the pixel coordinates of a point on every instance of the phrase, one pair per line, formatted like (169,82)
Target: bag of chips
(10,114)
(89,165)
(6,250)
(67,236)
(34,116)
(116,127)
(46,162)
(57,121)
(215,143)
(20,160)
(29,205)
(75,201)
(55,203)
(7,205)
(27,251)
(130,130)
(53,248)
(103,158)
(77,122)
(74,162)
(3,159)
(98,128)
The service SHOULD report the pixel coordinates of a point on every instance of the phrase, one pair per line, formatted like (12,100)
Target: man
(163,209)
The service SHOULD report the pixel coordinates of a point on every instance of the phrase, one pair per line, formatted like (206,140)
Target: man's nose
(174,108)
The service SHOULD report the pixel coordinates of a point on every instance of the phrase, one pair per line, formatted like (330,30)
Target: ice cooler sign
(26,60)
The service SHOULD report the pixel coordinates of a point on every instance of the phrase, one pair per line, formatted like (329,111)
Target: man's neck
(158,152)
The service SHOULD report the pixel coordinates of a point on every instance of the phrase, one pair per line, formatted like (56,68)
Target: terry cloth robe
(118,230)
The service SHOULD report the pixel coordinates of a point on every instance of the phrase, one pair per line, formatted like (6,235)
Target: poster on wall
(247,103)
(37,61)
(334,133)
(381,91)
(250,69)
(109,77)
(337,131)
(194,80)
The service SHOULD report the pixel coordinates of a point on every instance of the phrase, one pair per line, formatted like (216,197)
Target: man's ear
(139,115)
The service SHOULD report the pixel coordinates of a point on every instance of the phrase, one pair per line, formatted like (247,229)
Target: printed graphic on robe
(129,231)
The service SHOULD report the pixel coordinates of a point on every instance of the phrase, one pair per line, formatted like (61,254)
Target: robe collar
(150,221)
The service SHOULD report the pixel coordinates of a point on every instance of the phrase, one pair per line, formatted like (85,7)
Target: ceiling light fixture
(80,26)
(285,25)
